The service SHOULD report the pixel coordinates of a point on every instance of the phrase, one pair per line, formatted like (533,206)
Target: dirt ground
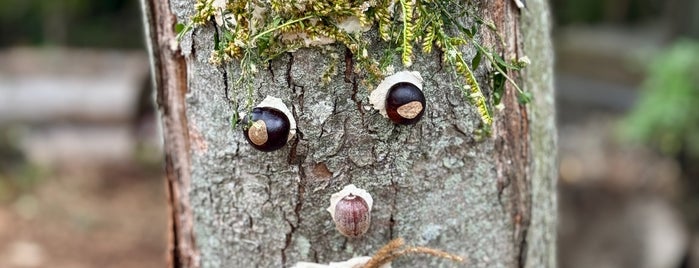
(86,216)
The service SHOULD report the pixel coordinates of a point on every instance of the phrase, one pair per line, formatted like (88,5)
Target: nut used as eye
(405,103)
(399,97)
(269,126)
(351,211)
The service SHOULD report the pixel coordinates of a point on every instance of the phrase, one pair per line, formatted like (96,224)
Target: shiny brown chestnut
(405,103)
(399,97)
(266,128)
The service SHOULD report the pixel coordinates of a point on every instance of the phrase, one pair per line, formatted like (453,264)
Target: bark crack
(226,87)
(173,252)
(289,79)
(271,72)
(300,191)
(315,256)
(522,243)
(349,66)
(351,77)
(224,70)
(394,201)
(297,159)
(192,44)
(287,240)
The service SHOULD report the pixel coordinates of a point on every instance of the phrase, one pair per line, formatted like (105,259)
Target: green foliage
(667,113)
(104,23)
(600,11)
(256,32)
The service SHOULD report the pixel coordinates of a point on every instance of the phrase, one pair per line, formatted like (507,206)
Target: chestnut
(405,103)
(399,97)
(269,125)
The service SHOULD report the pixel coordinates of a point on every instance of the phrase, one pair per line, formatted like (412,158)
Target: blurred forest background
(80,159)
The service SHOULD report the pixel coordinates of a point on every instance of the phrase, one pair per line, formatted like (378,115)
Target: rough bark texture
(170,79)
(492,202)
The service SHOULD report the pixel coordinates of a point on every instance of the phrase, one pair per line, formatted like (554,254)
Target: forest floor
(76,189)
(87,216)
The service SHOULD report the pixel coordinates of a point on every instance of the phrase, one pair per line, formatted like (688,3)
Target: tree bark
(492,202)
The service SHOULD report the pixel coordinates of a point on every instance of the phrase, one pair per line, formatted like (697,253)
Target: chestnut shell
(401,94)
(277,128)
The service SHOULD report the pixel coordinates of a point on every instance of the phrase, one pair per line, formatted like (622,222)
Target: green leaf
(234,120)
(499,82)
(524,97)
(217,42)
(503,63)
(263,42)
(227,36)
(179,28)
(476,60)
(497,97)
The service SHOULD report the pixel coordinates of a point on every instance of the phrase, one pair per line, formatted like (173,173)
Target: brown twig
(390,252)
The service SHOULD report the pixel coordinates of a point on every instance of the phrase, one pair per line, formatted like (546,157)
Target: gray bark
(492,202)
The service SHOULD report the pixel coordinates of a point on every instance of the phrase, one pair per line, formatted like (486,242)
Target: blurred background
(80,162)
(80,155)
(627,92)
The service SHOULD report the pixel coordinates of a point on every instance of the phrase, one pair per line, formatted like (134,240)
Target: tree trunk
(492,202)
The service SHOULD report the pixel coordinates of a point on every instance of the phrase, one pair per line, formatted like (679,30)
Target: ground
(86,216)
